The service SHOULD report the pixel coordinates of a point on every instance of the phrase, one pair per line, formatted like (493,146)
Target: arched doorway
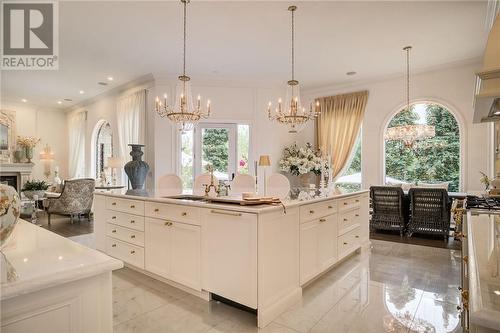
(102,147)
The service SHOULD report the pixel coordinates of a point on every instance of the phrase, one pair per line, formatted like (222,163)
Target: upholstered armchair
(75,200)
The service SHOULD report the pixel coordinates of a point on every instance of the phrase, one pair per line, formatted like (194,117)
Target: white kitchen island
(60,286)
(257,256)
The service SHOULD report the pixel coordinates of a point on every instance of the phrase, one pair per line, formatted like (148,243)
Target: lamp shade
(114,162)
(264,160)
(46,154)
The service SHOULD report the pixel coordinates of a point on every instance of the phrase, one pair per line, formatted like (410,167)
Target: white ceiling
(248,42)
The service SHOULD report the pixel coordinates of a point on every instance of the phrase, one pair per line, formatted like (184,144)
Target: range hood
(487,94)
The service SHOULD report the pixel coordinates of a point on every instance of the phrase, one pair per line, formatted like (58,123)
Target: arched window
(103,146)
(432,156)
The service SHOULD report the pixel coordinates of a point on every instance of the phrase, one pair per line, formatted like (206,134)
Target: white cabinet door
(185,264)
(158,246)
(309,250)
(230,255)
(327,241)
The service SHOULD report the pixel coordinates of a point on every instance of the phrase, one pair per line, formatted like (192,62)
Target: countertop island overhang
(257,256)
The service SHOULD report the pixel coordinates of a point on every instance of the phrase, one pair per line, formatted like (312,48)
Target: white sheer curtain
(77,124)
(131,116)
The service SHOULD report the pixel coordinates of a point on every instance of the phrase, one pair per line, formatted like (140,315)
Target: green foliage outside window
(432,160)
(215,148)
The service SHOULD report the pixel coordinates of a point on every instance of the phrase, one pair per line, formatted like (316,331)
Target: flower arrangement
(27,141)
(299,161)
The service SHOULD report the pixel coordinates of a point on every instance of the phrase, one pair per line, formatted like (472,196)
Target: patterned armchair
(75,200)
(430,211)
(390,209)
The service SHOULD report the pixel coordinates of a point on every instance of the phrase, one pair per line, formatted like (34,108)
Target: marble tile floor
(394,288)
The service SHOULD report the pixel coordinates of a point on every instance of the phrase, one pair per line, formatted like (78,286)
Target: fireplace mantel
(21,170)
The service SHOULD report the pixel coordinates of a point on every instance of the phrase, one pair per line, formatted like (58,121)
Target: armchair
(75,200)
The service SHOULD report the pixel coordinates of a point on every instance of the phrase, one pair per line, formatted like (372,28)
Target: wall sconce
(47,155)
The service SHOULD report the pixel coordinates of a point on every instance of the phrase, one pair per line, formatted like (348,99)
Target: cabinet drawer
(348,242)
(177,213)
(125,220)
(349,220)
(317,210)
(131,254)
(127,235)
(125,205)
(349,203)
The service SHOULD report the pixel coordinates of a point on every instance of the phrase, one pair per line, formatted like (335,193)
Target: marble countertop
(483,237)
(43,259)
(256,209)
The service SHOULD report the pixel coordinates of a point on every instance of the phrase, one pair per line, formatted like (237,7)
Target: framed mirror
(7,134)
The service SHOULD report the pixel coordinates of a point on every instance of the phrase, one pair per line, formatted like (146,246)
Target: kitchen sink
(188,197)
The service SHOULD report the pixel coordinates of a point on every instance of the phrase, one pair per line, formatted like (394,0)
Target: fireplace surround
(16,174)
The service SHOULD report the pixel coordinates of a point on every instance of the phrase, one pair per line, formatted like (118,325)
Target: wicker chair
(75,200)
(430,212)
(389,209)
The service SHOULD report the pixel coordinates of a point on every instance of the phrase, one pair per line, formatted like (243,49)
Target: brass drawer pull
(345,203)
(133,236)
(311,212)
(184,214)
(322,220)
(345,220)
(357,215)
(357,200)
(157,210)
(114,231)
(168,223)
(132,206)
(114,245)
(113,217)
(132,252)
(356,236)
(330,207)
(213,211)
(113,204)
(132,221)
(345,243)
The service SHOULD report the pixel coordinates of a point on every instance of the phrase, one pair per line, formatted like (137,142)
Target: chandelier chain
(184,45)
(408,78)
(293,45)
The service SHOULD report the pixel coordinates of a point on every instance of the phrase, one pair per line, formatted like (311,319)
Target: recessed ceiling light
(102,83)
(24,100)
(82,92)
(68,100)
(59,102)
(110,78)
(351,73)
(496,112)
(497,292)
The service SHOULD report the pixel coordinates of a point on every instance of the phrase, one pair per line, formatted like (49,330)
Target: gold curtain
(338,125)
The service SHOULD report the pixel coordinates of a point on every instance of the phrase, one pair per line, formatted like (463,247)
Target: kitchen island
(52,284)
(480,288)
(257,256)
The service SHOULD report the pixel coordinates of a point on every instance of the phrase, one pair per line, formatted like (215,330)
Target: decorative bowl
(31,194)
(9,211)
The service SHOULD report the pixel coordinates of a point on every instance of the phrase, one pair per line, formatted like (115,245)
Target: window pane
(187,160)
(243,148)
(215,151)
(429,160)
(350,180)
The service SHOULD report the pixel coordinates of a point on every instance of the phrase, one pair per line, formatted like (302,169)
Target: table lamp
(264,161)
(114,163)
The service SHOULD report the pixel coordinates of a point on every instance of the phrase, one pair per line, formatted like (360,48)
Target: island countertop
(42,259)
(483,234)
(255,209)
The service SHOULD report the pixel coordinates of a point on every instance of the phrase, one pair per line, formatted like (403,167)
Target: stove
(483,204)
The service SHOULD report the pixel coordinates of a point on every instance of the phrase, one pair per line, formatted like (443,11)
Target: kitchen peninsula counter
(258,256)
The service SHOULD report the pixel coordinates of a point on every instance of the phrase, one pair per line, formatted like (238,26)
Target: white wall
(50,126)
(453,87)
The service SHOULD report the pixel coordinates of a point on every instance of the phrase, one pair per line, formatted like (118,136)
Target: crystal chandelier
(184,112)
(292,113)
(409,134)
